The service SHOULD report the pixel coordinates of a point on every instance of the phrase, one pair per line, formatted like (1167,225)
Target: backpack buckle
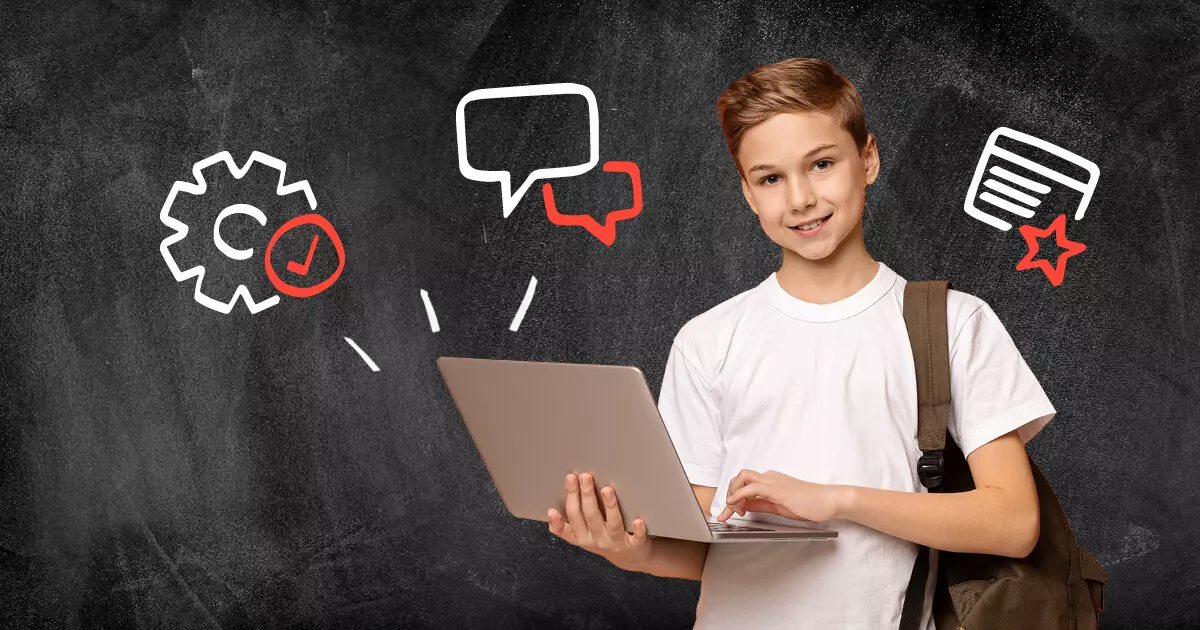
(931,466)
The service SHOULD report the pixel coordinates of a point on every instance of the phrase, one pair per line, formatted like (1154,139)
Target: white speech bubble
(511,199)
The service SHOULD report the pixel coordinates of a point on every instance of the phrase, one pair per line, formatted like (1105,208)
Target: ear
(748,196)
(870,156)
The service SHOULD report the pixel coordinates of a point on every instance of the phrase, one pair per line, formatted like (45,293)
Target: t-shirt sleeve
(992,389)
(691,415)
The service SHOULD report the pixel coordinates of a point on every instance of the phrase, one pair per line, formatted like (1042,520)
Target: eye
(830,164)
(764,180)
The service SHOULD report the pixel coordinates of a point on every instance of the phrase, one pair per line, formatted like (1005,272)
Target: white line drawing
(1007,205)
(1013,198)
(433,324)
(1028,200)
(1017,179)
(237,208)
(370,363)
(516,322)
(509,198)
(181,229)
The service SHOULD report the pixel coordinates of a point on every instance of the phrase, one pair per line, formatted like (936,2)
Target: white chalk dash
(433,325)
(516,323)
(370,363)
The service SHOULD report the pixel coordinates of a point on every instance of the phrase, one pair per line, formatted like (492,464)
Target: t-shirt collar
(850,306)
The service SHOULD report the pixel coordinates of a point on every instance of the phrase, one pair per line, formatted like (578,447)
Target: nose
(800,194)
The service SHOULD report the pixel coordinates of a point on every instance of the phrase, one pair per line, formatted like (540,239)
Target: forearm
(983,520)
(672,557)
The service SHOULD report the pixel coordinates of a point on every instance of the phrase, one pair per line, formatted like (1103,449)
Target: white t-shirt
(827,393)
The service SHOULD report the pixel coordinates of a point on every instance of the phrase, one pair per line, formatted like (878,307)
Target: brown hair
(793,85)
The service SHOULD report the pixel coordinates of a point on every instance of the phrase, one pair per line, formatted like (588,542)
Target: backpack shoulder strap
(925,318)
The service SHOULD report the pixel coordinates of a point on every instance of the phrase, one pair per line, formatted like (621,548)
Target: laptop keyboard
(726,527)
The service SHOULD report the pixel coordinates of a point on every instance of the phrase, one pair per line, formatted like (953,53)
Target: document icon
(1024,173)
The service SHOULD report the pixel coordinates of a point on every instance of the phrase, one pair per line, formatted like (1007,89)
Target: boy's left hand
(777,493)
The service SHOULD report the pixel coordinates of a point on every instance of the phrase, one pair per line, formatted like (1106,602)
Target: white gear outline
(181,229)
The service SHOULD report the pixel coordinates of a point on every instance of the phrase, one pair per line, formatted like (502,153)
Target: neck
(835,277)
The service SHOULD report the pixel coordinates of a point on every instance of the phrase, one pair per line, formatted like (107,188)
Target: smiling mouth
(808,227)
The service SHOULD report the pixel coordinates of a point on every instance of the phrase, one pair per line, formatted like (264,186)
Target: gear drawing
(181,229)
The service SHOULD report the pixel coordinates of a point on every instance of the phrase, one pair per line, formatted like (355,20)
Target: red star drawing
(1032,235)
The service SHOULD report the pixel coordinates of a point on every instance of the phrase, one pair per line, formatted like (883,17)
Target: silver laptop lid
(534,422)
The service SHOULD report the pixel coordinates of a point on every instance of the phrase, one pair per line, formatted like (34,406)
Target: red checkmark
(304,292)
(302,270)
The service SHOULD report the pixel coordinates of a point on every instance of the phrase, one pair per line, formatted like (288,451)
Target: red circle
(327,227)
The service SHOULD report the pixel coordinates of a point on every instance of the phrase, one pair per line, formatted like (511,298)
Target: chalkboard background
(165,465)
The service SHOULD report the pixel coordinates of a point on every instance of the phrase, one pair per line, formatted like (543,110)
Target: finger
(744,477)
(612,513)
(637,539)
(559,526)
(748,491)
(751,498)
(574,513)
(587,502)
(738,481)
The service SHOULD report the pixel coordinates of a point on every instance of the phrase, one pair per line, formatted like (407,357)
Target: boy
(797,398)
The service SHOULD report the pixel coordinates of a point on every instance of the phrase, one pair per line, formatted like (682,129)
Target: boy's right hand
(600,533)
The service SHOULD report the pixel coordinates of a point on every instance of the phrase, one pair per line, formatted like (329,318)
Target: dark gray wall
(162,464)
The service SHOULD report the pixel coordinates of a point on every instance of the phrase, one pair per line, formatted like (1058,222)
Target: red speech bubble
(327,227)
(606,233)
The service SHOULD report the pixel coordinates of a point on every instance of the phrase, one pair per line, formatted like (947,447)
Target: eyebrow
(767,167)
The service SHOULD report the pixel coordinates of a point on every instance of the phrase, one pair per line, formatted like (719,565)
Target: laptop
(534,422)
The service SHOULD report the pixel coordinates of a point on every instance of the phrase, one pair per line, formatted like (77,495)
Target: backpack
(1058,585)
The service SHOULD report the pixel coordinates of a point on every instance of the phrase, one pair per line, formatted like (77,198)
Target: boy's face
(801,168)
